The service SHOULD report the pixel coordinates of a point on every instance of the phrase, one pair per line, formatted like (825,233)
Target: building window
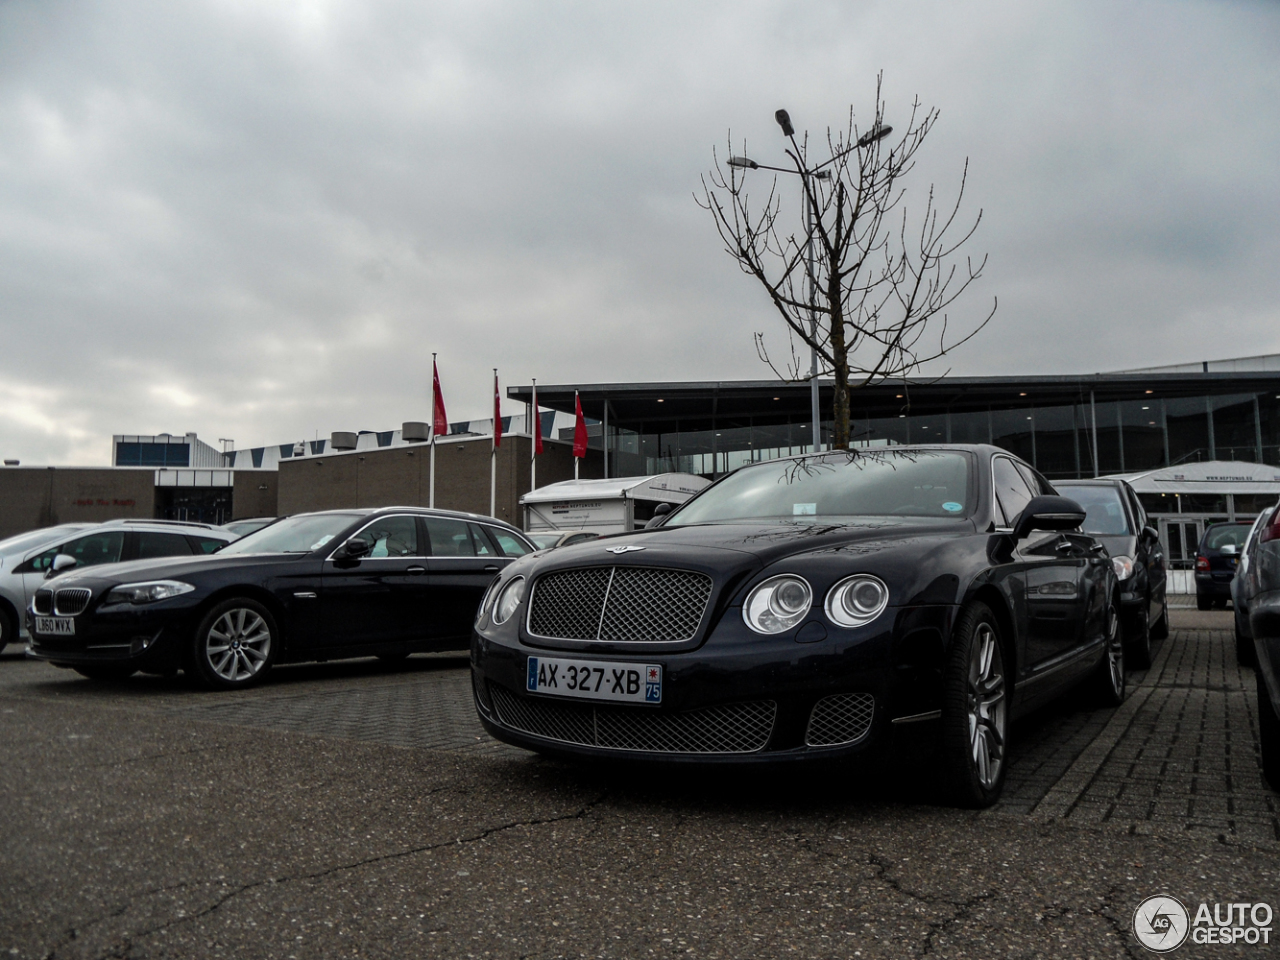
(153,454)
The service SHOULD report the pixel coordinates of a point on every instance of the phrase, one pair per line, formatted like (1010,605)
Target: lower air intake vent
(732,728)
(840,719)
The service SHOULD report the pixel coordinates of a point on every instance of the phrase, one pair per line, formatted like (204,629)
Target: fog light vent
(841,719)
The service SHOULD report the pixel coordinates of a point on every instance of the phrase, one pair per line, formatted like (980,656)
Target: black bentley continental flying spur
(805,608)
(317,586)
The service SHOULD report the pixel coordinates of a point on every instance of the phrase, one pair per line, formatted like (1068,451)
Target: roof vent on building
(414,431)
(342,440)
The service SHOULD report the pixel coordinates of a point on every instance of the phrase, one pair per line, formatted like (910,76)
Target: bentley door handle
(416,570)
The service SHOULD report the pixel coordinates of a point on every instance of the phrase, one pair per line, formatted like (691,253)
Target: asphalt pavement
(357,810)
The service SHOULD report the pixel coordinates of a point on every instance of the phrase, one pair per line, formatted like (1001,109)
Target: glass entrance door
(1181,537)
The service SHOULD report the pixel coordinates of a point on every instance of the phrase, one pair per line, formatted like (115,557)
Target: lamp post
(878,132)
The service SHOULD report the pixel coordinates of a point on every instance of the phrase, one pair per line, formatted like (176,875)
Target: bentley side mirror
(355,548)
(660,511)
(62,561)
(1048,513)
(1150,533)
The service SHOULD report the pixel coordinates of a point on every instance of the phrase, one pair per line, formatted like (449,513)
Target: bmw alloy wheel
(987,707)
(238,645)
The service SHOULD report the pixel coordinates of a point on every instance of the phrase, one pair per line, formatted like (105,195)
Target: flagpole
(431,488)
(493,453)
(533,442)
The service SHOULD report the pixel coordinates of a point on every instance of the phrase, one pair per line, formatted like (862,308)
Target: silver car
(28,559)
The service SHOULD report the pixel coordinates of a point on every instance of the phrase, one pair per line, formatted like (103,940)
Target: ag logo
(626,548)
(1161,924)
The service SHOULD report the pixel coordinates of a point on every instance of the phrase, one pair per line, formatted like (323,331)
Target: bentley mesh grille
(732,728)
(43,602)
(72,600)
(841,719)
(619,604)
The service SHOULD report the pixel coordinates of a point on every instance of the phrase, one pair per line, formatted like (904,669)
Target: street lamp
(878,132)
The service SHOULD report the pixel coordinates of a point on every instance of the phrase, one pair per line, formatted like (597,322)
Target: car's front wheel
(975,714)
(1245,656)
(8,626)
(235,644)
(1138,641)
(1269,735)
(1110,680)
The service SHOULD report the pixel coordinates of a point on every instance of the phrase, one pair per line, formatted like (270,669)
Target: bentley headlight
(857,600)
(148,592)
(1123,567)
(778,604)
(508,600)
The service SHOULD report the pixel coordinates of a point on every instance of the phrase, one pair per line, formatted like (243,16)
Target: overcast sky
(256,219)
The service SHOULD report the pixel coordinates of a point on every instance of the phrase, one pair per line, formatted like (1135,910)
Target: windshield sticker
(952,507)
(804,509)
(322,541)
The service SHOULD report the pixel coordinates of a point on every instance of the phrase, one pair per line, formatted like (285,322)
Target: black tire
(1269,736)
(1219,604)
(1109,681)
(1160,629)
(394,657)
(975,715)
(235,645)
(1203,602)
(1137,640)
(107,671)
(1245,654)
(8,626)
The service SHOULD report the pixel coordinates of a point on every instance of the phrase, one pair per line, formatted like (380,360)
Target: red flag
(497,413)
(579,428)
(537,422)
(439,420)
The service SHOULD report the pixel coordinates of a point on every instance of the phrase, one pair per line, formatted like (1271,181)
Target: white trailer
(605,506)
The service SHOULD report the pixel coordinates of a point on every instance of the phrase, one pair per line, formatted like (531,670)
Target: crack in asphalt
(161,756)
(962,908)
(121,950)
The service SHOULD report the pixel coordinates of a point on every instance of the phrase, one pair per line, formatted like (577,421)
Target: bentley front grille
(619,604)
(71,601)
(844,718)
(731,728)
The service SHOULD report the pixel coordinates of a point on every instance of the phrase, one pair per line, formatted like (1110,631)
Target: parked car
(1264,626)
(1216,559)
(804,608)
(92,544)
(1244,585)
(561,538)
(1114,516)
(12,551)
(317,586)
(248,525)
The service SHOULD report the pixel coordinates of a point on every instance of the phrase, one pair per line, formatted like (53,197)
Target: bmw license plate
(58,626)
(596,680)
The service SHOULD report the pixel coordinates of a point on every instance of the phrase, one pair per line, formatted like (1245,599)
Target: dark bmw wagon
(318,586)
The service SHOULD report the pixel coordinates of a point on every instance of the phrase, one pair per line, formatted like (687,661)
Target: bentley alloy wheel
(235,644)
(975,710)
(1110,682)
(987,706)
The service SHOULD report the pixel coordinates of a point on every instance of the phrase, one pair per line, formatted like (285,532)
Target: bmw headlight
(148,592)
(778,604)
(1123,567)
(857,600)
(508,600)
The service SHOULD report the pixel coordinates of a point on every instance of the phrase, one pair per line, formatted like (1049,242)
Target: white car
(26,560)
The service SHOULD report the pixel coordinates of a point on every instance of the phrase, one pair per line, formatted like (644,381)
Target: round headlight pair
(508,600)
(780,603)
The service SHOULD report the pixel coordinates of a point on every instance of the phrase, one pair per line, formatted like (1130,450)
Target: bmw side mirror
(355,548)
(62,561)
(1048,513)
(660,511)
(1150,533)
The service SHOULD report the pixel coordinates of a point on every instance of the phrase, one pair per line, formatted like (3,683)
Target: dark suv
(1216,560)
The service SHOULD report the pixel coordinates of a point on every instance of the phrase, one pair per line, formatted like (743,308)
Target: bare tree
(862,284)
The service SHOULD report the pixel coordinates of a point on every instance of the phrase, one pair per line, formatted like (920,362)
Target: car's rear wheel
(235,644)
(975,715)
(1203,602)
(8,626)
(107,671)
(1138,640)
(1160,629)
(1245,654)
(1110,681)
(1269,735)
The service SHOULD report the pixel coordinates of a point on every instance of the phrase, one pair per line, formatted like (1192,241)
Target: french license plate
(596,679)
(59,626)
